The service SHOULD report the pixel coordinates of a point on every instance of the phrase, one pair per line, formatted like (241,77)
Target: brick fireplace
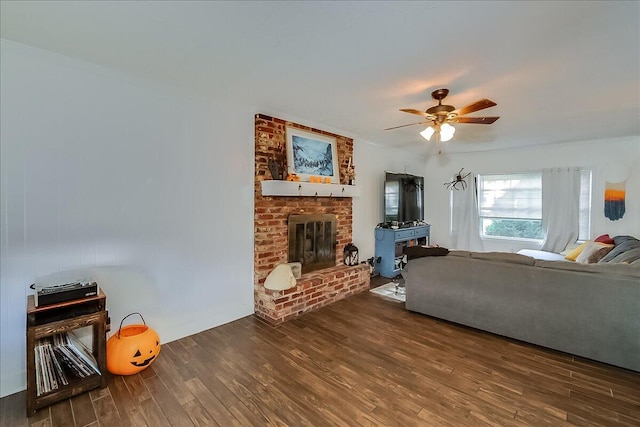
(271,242)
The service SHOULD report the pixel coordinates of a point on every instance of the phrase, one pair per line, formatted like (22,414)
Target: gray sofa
(589,310)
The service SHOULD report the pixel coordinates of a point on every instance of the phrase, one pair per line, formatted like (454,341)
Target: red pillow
(604,239)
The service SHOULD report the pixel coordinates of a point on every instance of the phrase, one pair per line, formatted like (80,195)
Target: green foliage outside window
(527,229)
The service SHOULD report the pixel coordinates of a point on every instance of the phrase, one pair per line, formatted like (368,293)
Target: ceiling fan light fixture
(428,133)
(446,132)
(440,114)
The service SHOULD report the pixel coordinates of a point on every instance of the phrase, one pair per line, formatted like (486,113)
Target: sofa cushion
(623,244)
(463,254)
(608,270)
(537,254)
(593,252)
(504,257)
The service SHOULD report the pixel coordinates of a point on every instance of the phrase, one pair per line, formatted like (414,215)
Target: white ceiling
(559,71)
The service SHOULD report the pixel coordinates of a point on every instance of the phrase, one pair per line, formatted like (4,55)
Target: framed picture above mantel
(311,154)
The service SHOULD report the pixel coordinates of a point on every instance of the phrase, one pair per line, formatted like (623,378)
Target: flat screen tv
(403,198)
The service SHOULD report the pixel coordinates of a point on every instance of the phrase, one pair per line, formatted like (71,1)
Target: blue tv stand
(389,245)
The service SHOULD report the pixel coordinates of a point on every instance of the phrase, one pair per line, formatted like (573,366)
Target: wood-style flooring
(363,361)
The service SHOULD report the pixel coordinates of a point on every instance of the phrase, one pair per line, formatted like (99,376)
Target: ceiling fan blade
(476,120)
(410,124)
(418,112)
(476,106)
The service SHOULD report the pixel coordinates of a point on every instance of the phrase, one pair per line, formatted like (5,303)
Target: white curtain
(465,222)
(560,207)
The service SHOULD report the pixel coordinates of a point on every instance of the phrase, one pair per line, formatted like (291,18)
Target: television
(403,198)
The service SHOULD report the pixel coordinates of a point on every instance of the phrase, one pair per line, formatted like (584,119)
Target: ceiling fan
(438,117)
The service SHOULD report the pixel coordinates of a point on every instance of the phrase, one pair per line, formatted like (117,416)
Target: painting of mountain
(312,157)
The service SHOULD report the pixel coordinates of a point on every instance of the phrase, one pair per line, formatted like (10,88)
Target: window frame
(481,218)
(586,176)
(586,198)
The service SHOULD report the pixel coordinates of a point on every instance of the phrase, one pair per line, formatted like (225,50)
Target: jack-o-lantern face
(132,349)
(140,361)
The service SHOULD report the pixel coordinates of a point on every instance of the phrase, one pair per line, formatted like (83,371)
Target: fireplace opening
(312,241)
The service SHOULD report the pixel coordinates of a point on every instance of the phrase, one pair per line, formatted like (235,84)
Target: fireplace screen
(312,241)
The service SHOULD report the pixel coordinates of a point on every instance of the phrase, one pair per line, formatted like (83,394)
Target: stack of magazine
(60,358)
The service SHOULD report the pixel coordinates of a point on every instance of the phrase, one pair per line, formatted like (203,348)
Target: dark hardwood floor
(363,361)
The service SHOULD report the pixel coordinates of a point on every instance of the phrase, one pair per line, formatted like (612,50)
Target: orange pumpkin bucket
(132,348)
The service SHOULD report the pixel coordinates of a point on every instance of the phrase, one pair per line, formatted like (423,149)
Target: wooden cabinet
(390,243)
(46,321)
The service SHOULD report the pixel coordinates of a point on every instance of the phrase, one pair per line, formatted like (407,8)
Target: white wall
(150,189)
(371,161)
(148,186)
(610,160)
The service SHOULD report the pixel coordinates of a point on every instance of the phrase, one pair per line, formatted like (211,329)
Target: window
(510,205)
(584,219)
(392,202)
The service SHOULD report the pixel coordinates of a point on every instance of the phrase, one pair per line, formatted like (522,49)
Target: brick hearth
(317,288)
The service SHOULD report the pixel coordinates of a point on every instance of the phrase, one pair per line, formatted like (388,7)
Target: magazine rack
(53,319)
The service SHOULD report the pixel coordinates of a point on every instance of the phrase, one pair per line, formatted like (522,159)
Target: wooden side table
(53,319)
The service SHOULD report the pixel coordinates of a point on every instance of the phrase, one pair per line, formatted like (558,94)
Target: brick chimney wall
(317,288)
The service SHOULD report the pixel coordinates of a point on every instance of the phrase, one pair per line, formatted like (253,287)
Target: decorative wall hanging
(614,199)
(458,181)
(312,154)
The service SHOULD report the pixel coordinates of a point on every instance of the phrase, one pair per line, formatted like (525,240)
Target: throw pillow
(413,252)
(593,252)
(604,239)
(573,255)
(627,257)
(569,248)
(623,244)
(621,239)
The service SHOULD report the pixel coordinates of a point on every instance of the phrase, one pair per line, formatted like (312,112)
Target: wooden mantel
(308,189)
